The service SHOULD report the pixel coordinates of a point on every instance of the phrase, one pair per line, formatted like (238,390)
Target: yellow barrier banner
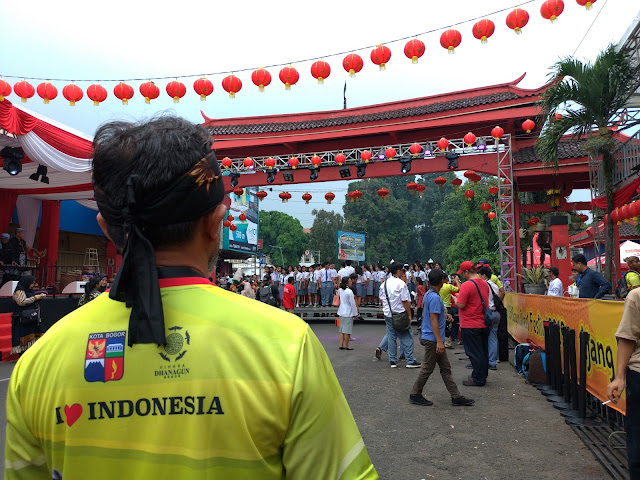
(600,318)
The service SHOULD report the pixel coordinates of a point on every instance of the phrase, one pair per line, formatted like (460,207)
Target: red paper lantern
(24,90)
(5,90)
(483,29)
(383,193)
(97,93)
(551,9)
(528,125)
(415,149)
(476,178)
(284,196)
(440,181)
(352,63)
(227,162)
(357,194)
(517,19)
(242,217)
(414,49)
(456,182)
(624,213)
(497,132)
(340,159)
(469,194)
(233,227)
(238,191)
(289,76)
(420,188)
(226,224)
(389,153)
(329,196)
(316,161)
(203,87)
(261,194)
(124,92)
(294,162)
(261,78)
(469,139)
(491,215)
(270,163)
(366,156)
(493,190)
(176,90)
(635,210)
(306,197)
(381,56)
(450,39)
(72,93)
(230,218)
(442,144)
(232,85)
(351,197)
(46,91)
(411,186)
(320,70)
(248,162)
(470,174)
(149,91)
(586,3)
(485,206)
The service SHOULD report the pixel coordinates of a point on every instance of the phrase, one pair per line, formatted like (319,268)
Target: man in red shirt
(289,295)
(475,333)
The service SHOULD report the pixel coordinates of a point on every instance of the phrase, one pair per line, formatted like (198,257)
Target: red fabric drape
(621,197)
(49,230)
(14,120)
(7,206)
(64,141)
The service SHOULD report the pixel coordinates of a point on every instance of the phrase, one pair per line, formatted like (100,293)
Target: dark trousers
(503,338)
(431,359)
(453,327)
(476,346)
(632,423)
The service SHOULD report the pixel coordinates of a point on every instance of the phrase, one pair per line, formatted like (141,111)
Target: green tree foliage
(277,228)
(323,236)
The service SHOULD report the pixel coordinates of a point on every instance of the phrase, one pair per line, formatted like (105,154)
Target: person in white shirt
(327,285)
(556,289)
(367,284)
(395,299)
(299,285)
(319,277)
(313,290)
(485,274)
(343,272)
(346,312)
(349,268)
(333,275)
(304,301)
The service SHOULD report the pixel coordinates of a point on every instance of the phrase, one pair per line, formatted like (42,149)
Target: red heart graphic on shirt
(72,413)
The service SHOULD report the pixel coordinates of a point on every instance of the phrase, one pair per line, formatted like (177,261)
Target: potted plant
(534,280)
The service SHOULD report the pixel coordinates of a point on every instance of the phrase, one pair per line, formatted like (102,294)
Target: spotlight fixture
(313,173)
(41,172)
(482,144)
(11,162)
(234,179)
(345,172)
(452,160)
(428,151)
(361,169)
(271,175)
(405,165)
(381,156)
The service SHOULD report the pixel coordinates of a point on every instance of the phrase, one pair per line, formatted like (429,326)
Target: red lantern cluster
(329,197)
(284,196)
(354,196)
(411,186)
(261,194)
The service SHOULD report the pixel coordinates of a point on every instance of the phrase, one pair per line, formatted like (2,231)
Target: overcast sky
(79,40)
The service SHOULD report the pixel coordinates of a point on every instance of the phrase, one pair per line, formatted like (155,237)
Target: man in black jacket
(268,292)
(591,284)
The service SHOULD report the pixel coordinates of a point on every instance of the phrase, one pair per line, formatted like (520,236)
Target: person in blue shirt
(434,321)
(591,284)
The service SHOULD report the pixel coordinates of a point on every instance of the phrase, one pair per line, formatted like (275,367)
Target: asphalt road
(511,431)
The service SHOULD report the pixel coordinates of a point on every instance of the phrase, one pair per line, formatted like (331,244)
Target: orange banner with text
(600,318)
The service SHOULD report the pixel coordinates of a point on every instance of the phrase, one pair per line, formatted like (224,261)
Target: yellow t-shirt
(633,280)
(445,293)
(240,391)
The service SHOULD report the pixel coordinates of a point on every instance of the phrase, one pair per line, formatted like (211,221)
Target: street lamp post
(281,256)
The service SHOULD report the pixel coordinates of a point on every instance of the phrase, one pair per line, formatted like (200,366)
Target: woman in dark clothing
(91,290)
(24,334)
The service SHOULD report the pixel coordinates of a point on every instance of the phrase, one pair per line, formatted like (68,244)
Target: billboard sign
(351,246)
(245,237)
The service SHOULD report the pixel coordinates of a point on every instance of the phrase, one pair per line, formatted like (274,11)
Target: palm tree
(592,96)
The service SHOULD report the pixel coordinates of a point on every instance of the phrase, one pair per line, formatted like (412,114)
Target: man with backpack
(268,292)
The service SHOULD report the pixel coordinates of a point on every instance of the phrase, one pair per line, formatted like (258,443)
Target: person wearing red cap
(475,334)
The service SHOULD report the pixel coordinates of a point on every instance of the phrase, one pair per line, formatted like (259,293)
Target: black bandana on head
(191,196)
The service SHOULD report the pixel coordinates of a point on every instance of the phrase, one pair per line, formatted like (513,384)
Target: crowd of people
(13,253)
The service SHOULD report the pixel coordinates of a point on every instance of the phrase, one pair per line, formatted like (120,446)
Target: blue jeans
(325,293)
(384,345)
(493,340)
(406,343)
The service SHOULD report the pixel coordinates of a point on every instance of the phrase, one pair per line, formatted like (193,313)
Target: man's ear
(212,220)
(103,225)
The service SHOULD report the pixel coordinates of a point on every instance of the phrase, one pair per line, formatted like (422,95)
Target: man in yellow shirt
(453,327)
(633,277)
(168,376)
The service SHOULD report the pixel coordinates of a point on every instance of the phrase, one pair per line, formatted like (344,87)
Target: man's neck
(473,276)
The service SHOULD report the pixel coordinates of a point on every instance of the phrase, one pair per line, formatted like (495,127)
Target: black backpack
(266,295)
(621,288)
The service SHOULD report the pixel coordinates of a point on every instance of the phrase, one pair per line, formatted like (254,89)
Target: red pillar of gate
(7,206)
(50,230)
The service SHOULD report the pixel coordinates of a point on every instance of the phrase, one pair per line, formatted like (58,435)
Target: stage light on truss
(452,160)
(345,172)
(482,144)
(381,156)
(313,173)
(11,162)
(405,165)
(234,179)
(361,169)
(428,151)
(271,175)
(40,172)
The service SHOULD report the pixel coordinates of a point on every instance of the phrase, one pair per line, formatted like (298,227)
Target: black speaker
(558,220)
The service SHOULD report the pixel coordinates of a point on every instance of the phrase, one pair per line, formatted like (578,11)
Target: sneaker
(462,402)
(420,400)
(413,365)
(394,364)
(378,353)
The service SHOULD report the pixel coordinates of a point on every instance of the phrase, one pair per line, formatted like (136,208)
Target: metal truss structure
(507,224)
